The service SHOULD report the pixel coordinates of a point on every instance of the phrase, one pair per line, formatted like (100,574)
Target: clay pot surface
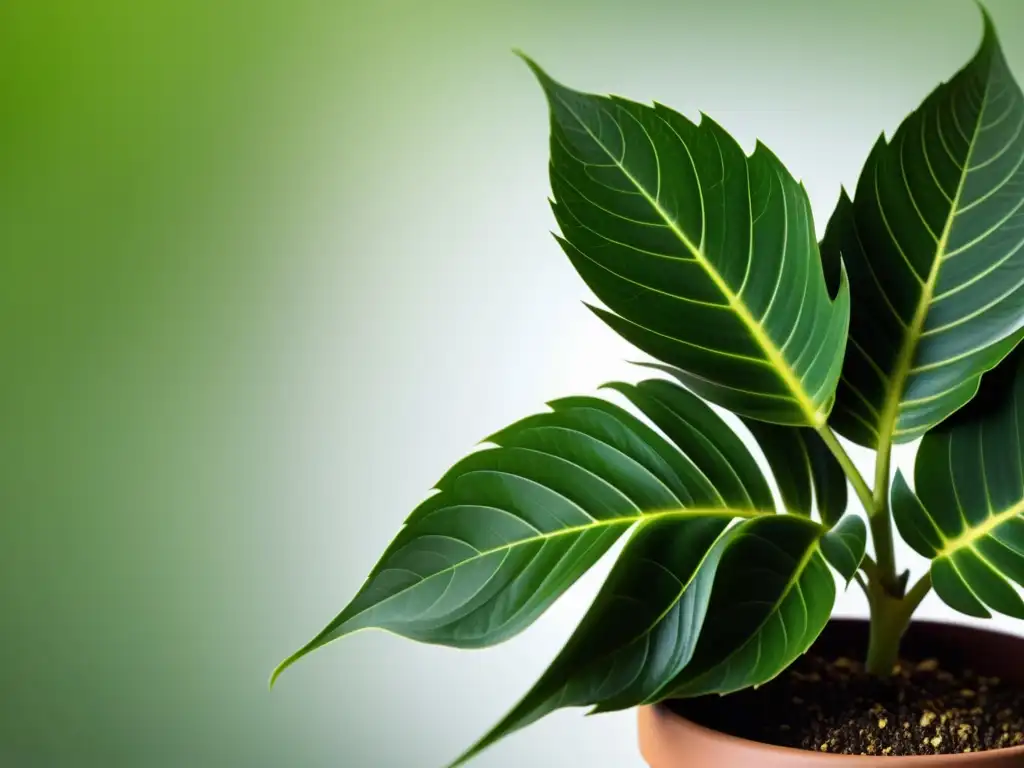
(668,740)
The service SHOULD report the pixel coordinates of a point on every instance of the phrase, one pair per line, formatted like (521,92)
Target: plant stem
(918,592)
(875,505)
(849,468)
(890,617)
(891,609)
(870,568)
(889,621)
(862,584)
(881,525)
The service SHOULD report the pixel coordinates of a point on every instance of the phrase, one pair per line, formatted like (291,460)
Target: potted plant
(901,324)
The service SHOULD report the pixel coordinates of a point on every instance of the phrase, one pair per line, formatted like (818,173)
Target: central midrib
(775,357)
(625,521)
(912,335)
(971,535)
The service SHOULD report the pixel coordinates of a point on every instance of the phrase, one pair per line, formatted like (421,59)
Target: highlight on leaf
(686,636)
(934,245)
(967,514)
(705,258)
(513,526)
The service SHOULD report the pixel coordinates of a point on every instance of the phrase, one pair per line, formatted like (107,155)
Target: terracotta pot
(668,740)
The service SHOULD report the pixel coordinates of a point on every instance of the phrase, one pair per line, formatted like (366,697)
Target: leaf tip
(317,642)
(484,743)
(280,668)
(989,49)
(522,55)
(986,16)
(546,81)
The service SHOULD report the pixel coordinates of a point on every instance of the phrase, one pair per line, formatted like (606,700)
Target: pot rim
(660,710)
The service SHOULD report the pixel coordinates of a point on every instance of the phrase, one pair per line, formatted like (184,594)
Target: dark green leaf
(802,463)
(830,488)
(844,546)
(512,527)
(645,625)
(639,633)
(934,245)
(912,520)
(966,515)
(700,434)
(786,453)
(772,596)
(706,258)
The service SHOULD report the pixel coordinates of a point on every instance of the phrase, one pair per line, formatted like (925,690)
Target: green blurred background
(266,270)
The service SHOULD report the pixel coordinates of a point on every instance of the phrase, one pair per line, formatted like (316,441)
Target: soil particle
(834,706)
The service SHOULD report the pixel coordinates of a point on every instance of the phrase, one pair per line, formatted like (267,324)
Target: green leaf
(845,544)
(772,596)
(645,625)
(639,633)
(966,515)
(642,628)
(512,527)
(934,246)
(802,464)
(706,258)
(912,520)
(699,433)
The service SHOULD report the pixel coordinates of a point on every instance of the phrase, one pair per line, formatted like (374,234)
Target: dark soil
(834,706)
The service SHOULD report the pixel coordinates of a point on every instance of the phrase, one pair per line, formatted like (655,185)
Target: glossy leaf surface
(701,435)
(844,546)
(773,594)
(934,246)
(640,631)
(966,514)
(512,527)
(648,622)
(706,258)
(807,473)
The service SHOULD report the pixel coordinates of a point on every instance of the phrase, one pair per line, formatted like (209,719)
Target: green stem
(891,609)
(889,621)
(890,617)
(849,468)
(881,525)
(862,584)
(918,592)
(870,568)
(875,505)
